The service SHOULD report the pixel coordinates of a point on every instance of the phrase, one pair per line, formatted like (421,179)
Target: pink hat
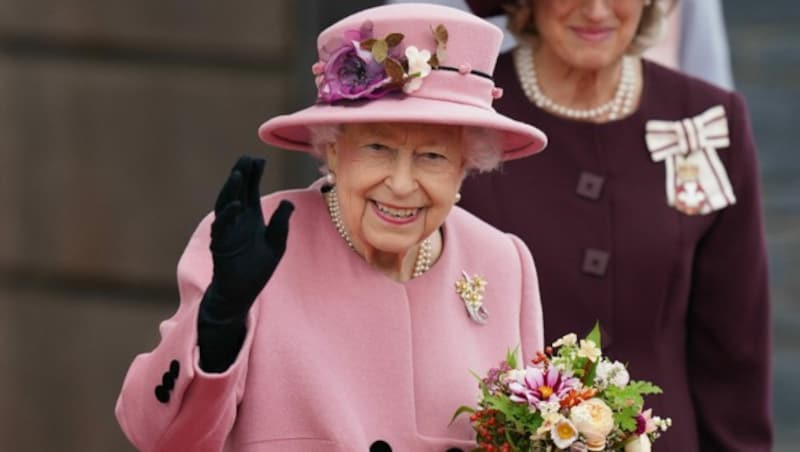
(407,62)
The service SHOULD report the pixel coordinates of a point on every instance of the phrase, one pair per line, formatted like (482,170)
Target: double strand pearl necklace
(620,105)
(424,255)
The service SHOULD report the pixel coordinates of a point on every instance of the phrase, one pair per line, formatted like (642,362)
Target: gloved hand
(245,253)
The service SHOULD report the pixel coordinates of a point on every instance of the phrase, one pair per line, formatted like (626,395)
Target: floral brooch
(360,66)
(471,289)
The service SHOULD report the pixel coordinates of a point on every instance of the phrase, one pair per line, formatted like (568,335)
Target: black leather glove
(245,253)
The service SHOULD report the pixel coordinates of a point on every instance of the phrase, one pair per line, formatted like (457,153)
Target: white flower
(608,373)
(549,407)
(563,433)
(418,68)
(640,444)
(515,375)
(549,420)
(568,340)
(589,350)
(595,420)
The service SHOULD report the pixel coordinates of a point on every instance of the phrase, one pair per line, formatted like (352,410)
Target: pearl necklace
(424,258)
(620,105)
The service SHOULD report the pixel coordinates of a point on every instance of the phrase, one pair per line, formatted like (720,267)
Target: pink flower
(538,385)
(645,423)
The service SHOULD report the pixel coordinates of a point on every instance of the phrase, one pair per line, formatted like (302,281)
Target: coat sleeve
(728,326)
(531,324)
(192,410)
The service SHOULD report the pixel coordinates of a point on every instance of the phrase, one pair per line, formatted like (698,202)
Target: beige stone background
(120,118)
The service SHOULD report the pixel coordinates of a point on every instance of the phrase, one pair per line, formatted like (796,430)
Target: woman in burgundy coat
(644,213)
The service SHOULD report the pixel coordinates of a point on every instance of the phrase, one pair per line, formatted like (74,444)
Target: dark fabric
(486,8)
(245,253)
(682,299)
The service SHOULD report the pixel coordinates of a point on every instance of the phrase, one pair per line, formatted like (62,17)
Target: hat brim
(291,131)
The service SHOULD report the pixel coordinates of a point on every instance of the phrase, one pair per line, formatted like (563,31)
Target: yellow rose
(594,420)
(640,444)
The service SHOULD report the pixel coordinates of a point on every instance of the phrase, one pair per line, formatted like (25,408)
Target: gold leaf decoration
(380,50)
(394,70)
(367,44)
(393,39)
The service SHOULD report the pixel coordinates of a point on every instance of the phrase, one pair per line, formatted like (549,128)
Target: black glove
(245,253)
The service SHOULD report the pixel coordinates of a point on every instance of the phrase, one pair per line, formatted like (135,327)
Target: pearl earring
(458,197)
(330,178)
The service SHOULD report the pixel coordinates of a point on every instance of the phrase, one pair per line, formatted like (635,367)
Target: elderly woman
(644,213)
(354,325)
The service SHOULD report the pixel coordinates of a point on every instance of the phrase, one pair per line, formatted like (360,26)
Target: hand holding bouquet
(569,398)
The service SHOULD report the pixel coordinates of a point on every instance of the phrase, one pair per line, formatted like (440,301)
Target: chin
(593,60)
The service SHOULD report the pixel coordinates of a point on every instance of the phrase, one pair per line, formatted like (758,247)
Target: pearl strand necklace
(620,105)
(424,258)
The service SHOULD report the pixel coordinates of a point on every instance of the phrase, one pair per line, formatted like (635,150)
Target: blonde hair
(481,151)
(650,30)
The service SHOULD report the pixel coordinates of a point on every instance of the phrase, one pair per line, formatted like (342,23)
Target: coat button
(380,446)
(590,185)
(162,394)
(174,368)
(168,381)
(595,262)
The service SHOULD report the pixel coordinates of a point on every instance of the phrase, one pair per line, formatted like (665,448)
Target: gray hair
(481,151)
(650,30)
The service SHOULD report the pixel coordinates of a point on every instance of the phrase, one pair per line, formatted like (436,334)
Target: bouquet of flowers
(570,397)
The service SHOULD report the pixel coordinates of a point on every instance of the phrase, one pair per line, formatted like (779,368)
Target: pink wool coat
(337,356)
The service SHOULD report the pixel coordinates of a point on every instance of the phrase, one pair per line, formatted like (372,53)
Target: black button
(455,449)
(162,394)
(590,185)
(380,446)
(168,381)
(174,368)
(595,262)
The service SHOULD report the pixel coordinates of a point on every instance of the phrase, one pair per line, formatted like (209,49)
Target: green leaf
(461,410)
(380,50)
(511,355)
(594,335)
(626,419)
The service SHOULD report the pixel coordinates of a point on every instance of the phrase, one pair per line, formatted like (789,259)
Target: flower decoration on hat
(360,66)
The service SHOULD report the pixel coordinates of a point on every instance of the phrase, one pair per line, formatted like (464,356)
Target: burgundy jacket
(682,299)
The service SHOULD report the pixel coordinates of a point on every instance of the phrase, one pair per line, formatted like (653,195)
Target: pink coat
(337,356)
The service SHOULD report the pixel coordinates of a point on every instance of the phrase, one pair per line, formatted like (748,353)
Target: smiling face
(396,182)
(587,34)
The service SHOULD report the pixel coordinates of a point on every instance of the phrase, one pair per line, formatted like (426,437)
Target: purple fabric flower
(350,72)
(538,386)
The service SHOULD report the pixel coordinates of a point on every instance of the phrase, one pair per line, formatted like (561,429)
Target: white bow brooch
(697,183)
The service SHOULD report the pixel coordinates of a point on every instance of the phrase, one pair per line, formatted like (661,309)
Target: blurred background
(119,119)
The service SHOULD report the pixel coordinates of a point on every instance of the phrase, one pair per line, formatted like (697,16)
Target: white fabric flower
(418,68)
